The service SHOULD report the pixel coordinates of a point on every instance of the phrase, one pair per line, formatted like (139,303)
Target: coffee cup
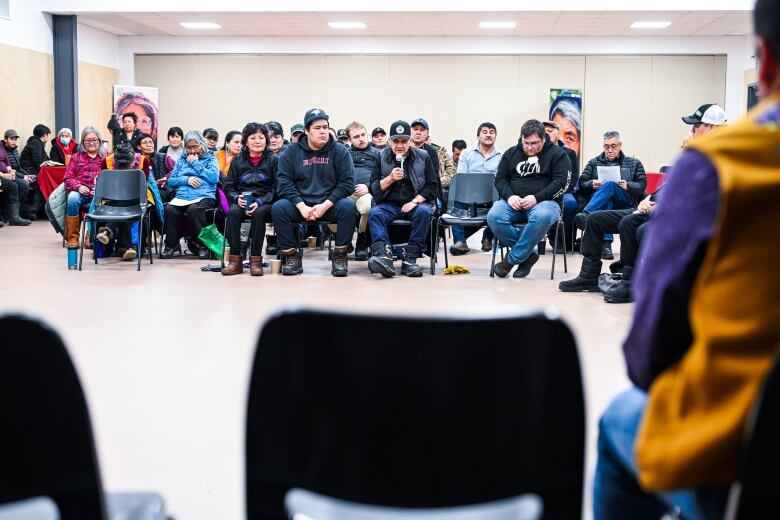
(312,242)
(276,266)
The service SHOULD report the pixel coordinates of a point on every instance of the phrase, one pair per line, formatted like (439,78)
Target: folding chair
(415,412)
(472,189)
(124,186)
(46,443)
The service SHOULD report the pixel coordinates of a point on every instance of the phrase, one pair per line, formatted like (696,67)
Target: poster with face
(566,112)
(142,101)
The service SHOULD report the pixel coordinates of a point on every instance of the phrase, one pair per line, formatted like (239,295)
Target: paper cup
(276,266)
(312,242)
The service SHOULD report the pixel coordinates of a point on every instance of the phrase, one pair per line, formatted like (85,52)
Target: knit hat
(313,115)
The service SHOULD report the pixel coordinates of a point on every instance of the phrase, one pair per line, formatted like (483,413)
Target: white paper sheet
(608,173)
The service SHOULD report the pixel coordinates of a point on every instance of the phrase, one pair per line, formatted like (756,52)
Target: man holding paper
(610,181)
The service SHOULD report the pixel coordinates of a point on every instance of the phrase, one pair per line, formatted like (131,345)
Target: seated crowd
(350,180)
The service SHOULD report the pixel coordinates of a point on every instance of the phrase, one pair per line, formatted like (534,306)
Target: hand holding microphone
(398,172)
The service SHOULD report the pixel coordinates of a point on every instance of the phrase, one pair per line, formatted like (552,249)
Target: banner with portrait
(142,101)
(566,112)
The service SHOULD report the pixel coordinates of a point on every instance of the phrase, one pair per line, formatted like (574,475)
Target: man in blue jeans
(403,185)
(530,177)
(482,159)
(596,195)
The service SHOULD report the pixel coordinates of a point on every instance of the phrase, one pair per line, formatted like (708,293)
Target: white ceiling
(442,23)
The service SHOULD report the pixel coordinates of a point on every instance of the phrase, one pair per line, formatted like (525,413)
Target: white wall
(28,27)
(98,47)
(735,48)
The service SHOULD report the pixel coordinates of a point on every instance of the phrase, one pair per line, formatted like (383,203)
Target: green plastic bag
(211,237)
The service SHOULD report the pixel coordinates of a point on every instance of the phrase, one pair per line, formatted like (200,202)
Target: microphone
(400,159)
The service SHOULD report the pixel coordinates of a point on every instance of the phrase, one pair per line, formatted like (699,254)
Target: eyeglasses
(612,146)
(91,141)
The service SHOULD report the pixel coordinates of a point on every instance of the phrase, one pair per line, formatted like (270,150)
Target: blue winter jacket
(204,167)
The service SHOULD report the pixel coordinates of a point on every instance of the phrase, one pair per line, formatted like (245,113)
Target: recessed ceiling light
(497,25)
(650,25)
(347,25)
(200,25)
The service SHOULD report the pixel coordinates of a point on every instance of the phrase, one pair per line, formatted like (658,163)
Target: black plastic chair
(124,186)
(560,237)
(46,444)
(421,412)
(755,496)
(473,189)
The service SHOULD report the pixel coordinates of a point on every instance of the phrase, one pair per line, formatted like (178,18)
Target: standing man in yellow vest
(706,321)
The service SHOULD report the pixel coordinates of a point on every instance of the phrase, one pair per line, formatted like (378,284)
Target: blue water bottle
(73,258)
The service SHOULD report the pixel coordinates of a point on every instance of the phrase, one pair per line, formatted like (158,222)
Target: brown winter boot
(235,266)
(256,265)
(72,231)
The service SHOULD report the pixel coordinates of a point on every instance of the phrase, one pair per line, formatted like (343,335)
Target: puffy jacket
(631,170)
(364,161)
(314,176)
(244,176)
(204,168)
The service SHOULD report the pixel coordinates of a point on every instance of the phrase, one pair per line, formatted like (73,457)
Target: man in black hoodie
(316,178)
(33,155)
(531,177)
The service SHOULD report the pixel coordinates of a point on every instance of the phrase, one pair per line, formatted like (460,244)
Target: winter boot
(339,266)
(586,281)
(381,260)
(621,293)
(361,248)
(235,266)
(271,245)
(409,265)
(13,216)
(292,261)
(256,265)
(524,267)
(72,231)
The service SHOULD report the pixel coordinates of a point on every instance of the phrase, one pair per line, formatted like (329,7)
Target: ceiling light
(497,25)
(650,25)
(200,25)
(347,25)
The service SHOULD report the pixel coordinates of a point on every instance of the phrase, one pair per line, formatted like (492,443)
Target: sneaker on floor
(606,252)
(104,235)
(128,254)
(502,268)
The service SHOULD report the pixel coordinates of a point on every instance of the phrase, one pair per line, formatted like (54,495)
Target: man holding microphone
(403,185)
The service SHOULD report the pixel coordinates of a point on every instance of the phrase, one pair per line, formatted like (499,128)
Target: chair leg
(224,239)
(149,235)
(493,258)
(563,232)
(81,244)
(444,237)
(140,242)
(434,230)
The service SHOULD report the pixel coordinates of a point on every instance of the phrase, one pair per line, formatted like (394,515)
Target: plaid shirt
(82,171)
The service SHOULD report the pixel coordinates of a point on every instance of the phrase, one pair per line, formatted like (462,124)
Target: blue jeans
(616,491)
(569,207)
(75,200)
(522,242)
(461,233)
(381,215)
(609,196)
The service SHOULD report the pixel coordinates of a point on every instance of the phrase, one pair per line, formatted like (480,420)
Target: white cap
(710,114)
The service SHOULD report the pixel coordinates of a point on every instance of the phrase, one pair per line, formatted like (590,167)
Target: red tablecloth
(654,181)
(49,177)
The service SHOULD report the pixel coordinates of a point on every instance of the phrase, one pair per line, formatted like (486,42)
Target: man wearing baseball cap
(379,138)
(705,119)
(442,164)
(343,136)
(315,179)
(403,185)
(296,131)
(13,187)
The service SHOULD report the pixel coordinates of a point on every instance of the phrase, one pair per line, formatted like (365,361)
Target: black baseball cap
(421,121)
(342,134)
(378,130)
(314,114)
(400,129)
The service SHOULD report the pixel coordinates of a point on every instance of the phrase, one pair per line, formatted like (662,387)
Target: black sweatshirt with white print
(545,176)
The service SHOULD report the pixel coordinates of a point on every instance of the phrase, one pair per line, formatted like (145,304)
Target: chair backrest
(301,503)
(472,188)
(121,185)
(415,412)
(46,444)
(756,495)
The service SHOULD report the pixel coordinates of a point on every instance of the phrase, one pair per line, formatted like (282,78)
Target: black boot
(339,263)
(13,216)
(292,263)
(621,293)
(381,260)
(361,248)
(586,281)
(409,265)
(606,251)
(271,245)
(524,267)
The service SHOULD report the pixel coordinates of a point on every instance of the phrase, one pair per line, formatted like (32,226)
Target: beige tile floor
(164,354)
